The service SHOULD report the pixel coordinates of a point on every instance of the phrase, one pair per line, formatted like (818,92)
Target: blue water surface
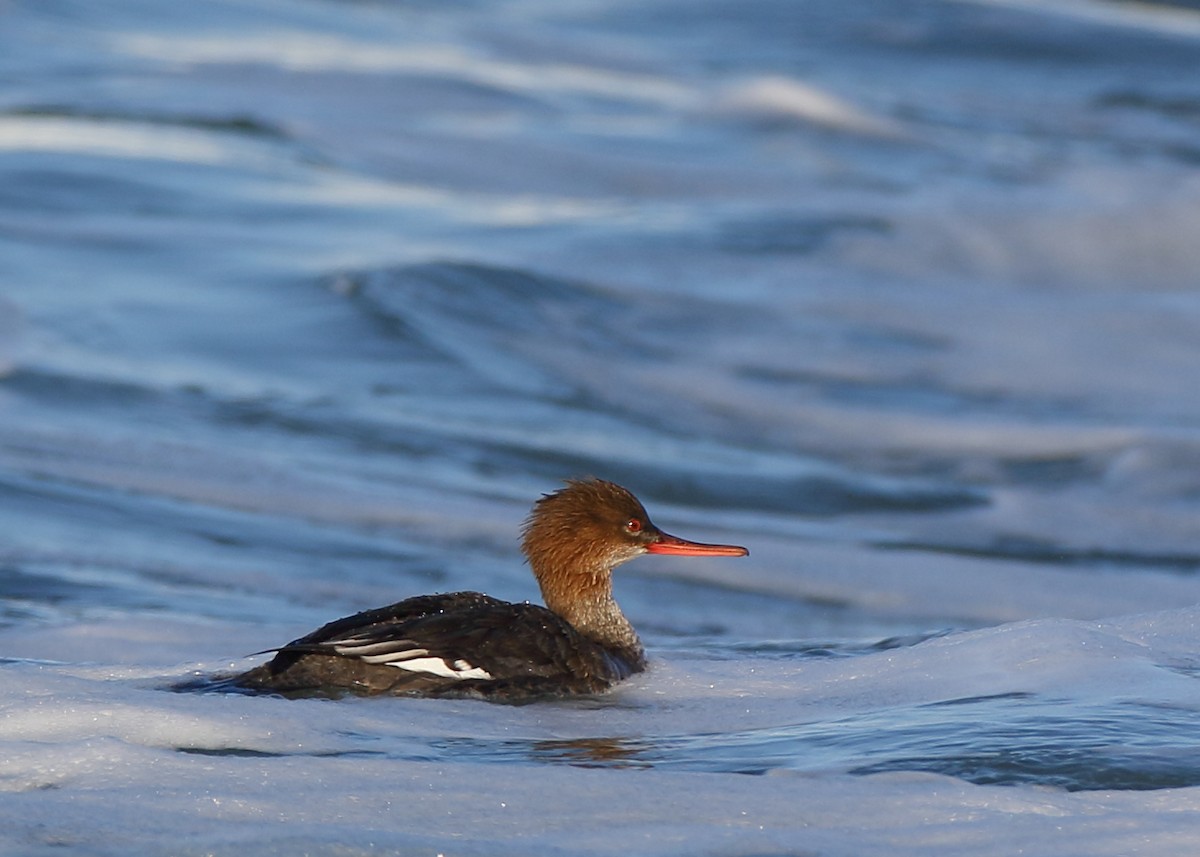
(303,302)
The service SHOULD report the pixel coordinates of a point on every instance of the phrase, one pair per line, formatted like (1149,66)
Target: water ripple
(997,739)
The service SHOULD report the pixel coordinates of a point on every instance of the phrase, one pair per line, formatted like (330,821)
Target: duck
(469,644)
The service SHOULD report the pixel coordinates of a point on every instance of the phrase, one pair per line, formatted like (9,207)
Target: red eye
(633,525)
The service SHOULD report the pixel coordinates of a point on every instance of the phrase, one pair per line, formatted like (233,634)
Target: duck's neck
(586,601)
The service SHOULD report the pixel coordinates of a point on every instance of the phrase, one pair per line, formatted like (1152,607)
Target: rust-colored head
(591,526)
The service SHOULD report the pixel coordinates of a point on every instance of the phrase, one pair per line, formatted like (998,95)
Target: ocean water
(304,302)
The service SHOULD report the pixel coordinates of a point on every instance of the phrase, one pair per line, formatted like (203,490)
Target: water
(303,303)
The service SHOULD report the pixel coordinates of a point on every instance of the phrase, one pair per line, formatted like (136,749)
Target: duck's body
(421,646)
(466,643)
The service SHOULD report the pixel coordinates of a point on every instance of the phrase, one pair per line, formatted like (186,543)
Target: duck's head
(591,526)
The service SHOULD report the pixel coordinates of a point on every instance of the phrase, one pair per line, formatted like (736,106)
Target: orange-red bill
(682,547)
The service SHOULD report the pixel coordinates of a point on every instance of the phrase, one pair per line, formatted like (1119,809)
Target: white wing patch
(392,653)
(437,666)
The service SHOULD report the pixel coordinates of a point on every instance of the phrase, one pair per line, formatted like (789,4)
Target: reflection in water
(578,752)
(593,752)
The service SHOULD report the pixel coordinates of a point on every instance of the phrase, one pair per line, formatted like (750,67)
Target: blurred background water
(305,301)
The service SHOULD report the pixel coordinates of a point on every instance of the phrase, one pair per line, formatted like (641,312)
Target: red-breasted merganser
(468,644)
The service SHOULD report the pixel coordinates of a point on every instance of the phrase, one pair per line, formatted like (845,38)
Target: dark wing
(409,610)
(496,642)
(464,643)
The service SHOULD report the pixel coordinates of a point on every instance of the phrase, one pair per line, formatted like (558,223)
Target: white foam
(85,752)
(786,99)
(83,136)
